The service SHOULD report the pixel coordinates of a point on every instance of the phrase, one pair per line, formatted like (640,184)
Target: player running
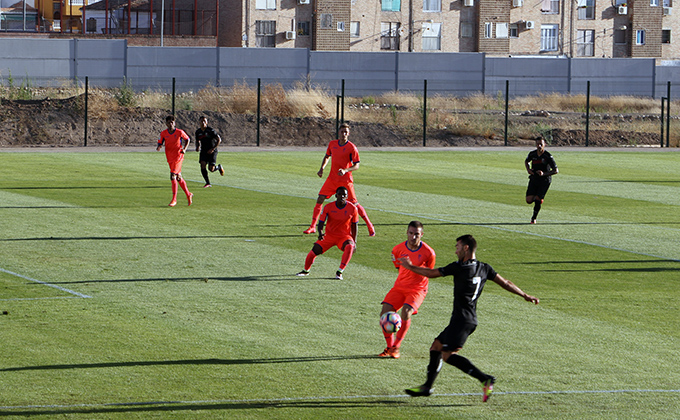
(207,141)
(469,277)
(542,168)
(345,160)
(340,218)
(409,289)
(176,142)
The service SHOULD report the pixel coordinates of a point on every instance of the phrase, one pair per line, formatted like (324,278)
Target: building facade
(575,28)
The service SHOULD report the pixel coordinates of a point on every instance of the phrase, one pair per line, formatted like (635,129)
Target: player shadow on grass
(130,238)
(190,406)
(217,362)
(274,277)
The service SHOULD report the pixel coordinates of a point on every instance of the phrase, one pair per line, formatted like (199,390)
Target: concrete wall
(107,63)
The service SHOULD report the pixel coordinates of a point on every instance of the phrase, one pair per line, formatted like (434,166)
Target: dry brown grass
(470,115)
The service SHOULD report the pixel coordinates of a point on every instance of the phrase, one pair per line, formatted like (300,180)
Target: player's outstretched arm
(423,271)
(510,287)
(324,162)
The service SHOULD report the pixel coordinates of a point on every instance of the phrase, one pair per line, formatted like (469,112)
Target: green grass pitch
(117,306)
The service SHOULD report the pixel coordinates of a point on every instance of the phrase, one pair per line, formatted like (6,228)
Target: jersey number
(477,281)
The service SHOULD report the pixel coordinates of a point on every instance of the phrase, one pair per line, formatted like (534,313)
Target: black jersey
(206,138)
(469,278)
(545,162)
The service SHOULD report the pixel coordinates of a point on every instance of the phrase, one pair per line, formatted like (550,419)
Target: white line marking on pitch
(349,397)
(46,284)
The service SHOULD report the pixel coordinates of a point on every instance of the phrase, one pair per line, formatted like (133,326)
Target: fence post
(668,115)
(587,113)
(173,96)
(663,111)
(337,116)
(258,111)
(507,99)
(86,94)
(342,102)
(425,113)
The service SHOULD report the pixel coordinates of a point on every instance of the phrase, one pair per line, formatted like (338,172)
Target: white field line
(46,284)
(340,398)
(468,224)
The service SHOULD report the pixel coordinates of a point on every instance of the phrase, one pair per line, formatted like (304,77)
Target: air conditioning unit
(529,24)
(304,1)
(667,11)
(623,10)
(290,34)
(517,3)
(468,3)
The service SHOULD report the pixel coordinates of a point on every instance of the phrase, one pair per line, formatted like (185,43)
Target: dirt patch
(61,123)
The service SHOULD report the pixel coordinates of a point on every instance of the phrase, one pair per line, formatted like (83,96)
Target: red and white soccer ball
(390,322)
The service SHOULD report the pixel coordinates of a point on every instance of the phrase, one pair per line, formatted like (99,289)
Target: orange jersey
(424,256)
(339,220)
(173,144)
(342,157)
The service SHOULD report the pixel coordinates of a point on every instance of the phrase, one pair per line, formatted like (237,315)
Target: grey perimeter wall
(107,63)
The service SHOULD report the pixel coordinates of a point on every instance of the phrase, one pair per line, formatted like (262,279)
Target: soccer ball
(390,322)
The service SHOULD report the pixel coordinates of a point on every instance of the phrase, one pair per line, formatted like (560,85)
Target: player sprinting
(344,157)
(176,142)
(340,219)
(469,277)
(207,140)
(409,289)
(542,168)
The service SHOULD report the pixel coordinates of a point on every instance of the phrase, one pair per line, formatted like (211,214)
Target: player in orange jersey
(409,289)
(341,218)
(176,142)
(345,159)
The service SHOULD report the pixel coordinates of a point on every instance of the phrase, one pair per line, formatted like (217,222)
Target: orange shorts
(400,297)
(329,241)
(176,166)
(329,189)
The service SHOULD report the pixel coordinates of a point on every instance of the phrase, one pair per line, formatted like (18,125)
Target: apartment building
(574,28)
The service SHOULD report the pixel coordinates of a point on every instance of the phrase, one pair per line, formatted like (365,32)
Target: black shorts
(209,158)
(455,335)
(538,185)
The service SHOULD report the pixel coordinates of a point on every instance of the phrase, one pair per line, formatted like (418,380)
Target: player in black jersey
(208,140)
(469,277)
(542,168)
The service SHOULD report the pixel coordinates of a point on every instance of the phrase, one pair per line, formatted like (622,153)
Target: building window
(640,37)
(326,21)
(619,36)
(665,36)
(265,4)
(487,30)
(586,9)
(432,36)
(466,30)
(354,29)
(549,37)
(501,30)
(389,35)
(550,6)
(265,33)
(391,5)
(585,43)
(303,28)
(666,3)
(653,3)
(432,5)
(513,30)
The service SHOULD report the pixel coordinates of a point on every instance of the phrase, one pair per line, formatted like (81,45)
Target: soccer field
(113,305)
